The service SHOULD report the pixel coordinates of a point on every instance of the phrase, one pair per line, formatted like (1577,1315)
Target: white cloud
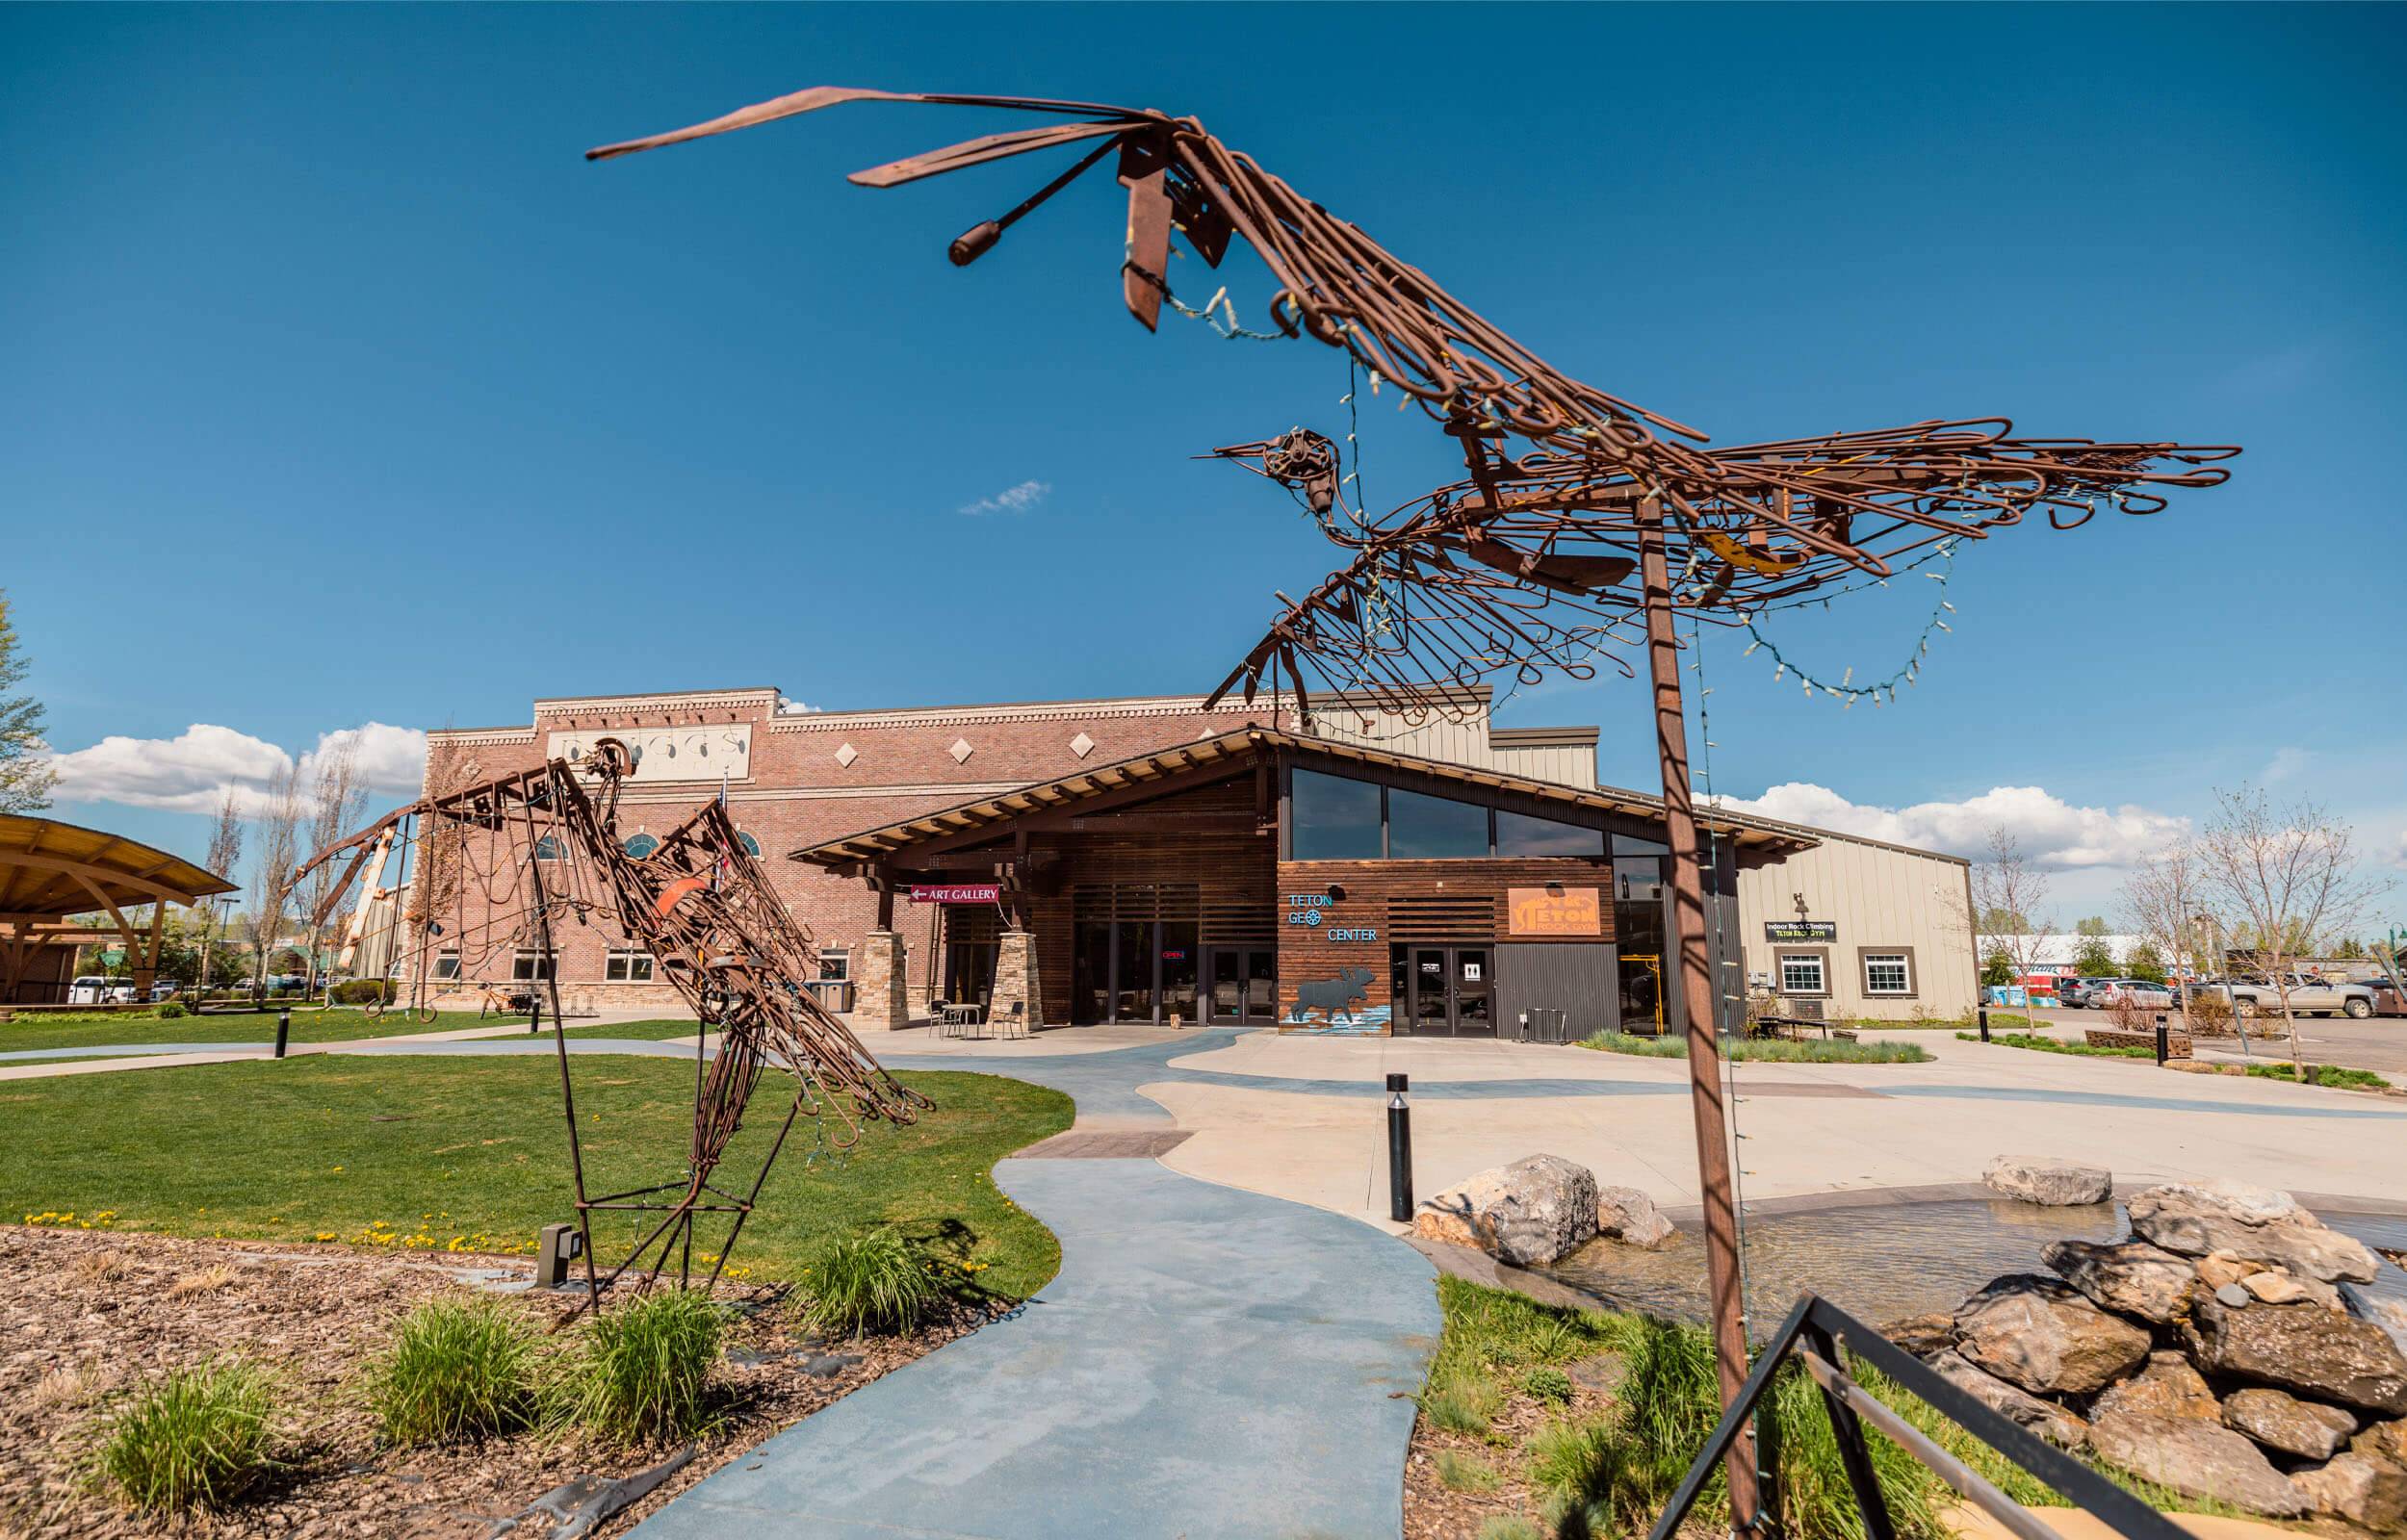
(2053,832)
(192,771)
(2286,761)
(1011,499)
(2394,854)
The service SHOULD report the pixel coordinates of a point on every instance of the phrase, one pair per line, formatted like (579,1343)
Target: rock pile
(1540,1209)
(2214,1352)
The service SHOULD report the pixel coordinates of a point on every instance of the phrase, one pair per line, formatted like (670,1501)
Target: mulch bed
(1433,1510)
(84,1314)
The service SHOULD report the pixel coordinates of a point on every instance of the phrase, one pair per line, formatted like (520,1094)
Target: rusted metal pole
(1695,984)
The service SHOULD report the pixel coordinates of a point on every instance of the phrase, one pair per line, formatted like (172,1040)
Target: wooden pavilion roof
(1228,751)
(49,870)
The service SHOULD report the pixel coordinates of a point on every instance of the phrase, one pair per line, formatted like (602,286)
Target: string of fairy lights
(1880,691)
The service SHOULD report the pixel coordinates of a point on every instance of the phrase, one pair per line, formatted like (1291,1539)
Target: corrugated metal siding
(1878,897)
(1463,743)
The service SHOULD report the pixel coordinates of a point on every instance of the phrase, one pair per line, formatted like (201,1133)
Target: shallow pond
(1884,1262)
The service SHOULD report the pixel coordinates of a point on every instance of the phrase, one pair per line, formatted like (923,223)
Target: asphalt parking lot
(2378,1043)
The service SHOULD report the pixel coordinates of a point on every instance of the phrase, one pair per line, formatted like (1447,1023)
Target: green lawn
(1782,1050)
(309,1025)
(2039,1044)
(646,1030)
(429,1152)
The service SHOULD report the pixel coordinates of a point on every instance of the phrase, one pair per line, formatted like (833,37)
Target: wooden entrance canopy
(972,823)
(50,871)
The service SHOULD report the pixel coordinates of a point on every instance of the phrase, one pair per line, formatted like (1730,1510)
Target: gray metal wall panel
(1578,979)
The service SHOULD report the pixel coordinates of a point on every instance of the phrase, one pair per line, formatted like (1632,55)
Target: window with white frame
(627,966)
(835,963)
(1888,973)
(528,966)
(1803,973)
(446,964)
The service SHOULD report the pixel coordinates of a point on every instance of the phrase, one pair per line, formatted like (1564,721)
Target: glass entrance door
(1447,992)
(1642,993)
(1241,985)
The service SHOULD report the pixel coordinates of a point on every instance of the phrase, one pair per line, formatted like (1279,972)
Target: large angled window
(1424,828)
(1518,834)
(1335,819)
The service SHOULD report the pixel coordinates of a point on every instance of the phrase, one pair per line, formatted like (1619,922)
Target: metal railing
(1811,1334)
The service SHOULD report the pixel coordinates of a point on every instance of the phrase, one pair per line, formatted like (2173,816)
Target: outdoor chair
(1015,1024)
(945,1023)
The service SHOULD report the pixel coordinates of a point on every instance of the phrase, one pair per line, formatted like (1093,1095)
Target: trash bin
(832,994)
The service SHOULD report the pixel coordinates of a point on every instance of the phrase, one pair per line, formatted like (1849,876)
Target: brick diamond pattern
(961,751)
(846,754)
(1082,745)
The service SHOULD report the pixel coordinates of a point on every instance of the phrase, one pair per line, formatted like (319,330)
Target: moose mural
(1334,997)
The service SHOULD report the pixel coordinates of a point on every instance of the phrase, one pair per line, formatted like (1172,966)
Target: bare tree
(2165,898)
(225,854)
(2008,893)
(336,807)
(2290,874)
(271,873)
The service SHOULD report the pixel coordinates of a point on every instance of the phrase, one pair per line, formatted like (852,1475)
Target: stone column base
(881,998)
(1015,979)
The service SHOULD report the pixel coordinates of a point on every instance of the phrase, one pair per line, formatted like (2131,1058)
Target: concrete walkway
(1209,1363)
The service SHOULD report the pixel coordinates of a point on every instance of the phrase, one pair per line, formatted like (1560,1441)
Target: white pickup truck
(2309,996)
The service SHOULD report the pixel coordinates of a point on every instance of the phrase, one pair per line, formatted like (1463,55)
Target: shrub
(201,1436)
(1466,1473)
(639,1373)
(2041,1045)
(361,991)
(1458,1405)
(454,1369)
(1785,1050)
(2334,1076)
(172,1011)
(872,1282)
(1548,1383)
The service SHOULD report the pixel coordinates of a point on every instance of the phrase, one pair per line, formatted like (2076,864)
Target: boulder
(2254,1223)
(2046,1419)
(2168,1387)
(2363,1491)
(2384,1441)
(1626,1215)
(2286,1425)
(2304,1348)
(2197,1458)
(2046,1336)
(1923,1335)
(2132,1278)
(1530,1213)
(2057,1184)
(2218,1267)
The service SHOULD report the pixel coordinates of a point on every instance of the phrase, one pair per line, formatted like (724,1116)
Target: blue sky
(374,402)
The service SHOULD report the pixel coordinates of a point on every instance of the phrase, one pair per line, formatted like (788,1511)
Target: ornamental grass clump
(455,1369)
(640,1374)
(875,1282)
(198,1438)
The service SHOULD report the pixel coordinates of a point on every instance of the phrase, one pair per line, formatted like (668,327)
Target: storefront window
(1518,834)
(1423,827)
(1335,819)
(1802,973)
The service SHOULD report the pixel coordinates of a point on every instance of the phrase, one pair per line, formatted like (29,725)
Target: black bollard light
(283,1029)
(1399,1151)
(1985,1024)
(2164,1047)
(534,1015)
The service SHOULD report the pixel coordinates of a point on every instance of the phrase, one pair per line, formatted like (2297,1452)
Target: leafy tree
(2094,925)
(25,774)
(2145,962)
(2093,957)
(2350,950)
(1996,967)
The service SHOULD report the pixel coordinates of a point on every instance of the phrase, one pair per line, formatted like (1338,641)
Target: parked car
(2111,992)
(2074,994)
(94,990)
(2309,996)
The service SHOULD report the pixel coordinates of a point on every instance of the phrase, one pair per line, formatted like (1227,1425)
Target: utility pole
(1697,985)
